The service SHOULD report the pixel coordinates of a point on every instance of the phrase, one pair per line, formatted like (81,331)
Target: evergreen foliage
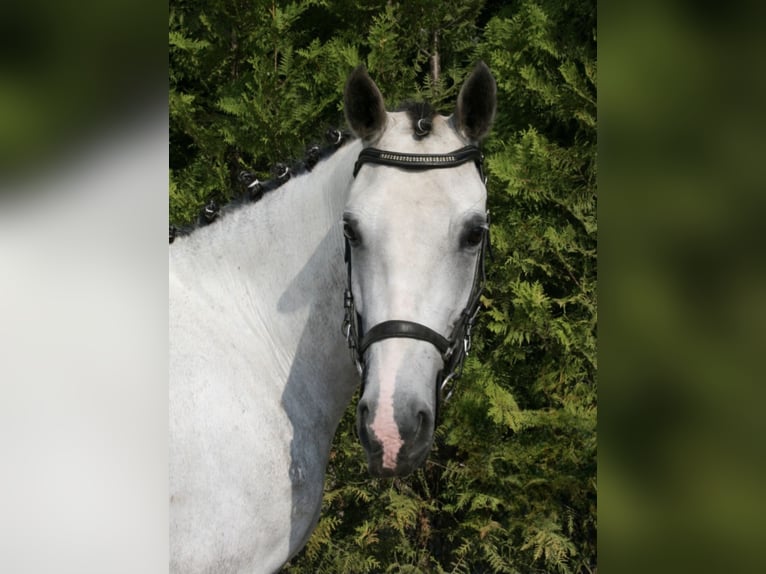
(511,483)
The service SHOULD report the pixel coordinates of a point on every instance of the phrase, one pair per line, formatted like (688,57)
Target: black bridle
(454,349)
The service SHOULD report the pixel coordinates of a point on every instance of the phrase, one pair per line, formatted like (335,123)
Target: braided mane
(421,115)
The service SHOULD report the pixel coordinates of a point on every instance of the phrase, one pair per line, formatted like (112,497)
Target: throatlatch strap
(418,161)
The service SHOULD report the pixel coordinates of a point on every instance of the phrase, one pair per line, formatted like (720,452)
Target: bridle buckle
(446,385)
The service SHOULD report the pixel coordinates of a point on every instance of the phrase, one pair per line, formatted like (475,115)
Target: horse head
(416,230)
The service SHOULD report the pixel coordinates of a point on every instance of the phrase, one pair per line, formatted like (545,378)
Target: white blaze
(384,426)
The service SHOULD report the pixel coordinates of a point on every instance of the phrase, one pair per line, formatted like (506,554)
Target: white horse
(259,372)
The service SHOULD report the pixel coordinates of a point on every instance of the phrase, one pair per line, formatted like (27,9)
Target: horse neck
(275,268)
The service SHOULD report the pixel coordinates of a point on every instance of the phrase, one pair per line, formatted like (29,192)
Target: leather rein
(454,349)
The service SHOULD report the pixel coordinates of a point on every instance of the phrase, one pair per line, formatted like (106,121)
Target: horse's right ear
(364,106)
(476,104)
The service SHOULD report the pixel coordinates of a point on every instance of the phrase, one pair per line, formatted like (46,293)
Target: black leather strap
(418,161)
(406,329)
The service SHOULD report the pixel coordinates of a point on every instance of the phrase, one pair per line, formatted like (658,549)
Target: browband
(419,161)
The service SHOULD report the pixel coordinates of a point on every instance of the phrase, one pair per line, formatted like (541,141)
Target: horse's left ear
(476,104)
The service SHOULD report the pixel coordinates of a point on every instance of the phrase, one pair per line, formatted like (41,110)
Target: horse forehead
(429,201)
(400,191)
(401,196)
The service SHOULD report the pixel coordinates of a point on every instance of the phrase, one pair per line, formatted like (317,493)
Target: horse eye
(474,236)
(350,233)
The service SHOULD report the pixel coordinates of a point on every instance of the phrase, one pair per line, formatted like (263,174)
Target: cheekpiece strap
(418,161)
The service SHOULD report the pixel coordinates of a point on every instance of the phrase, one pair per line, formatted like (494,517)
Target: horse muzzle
(396,438)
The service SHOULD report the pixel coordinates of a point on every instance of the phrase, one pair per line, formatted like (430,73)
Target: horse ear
(476,103)
(364,106)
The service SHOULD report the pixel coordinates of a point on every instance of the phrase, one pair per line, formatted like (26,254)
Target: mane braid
(421,115)
(252,189)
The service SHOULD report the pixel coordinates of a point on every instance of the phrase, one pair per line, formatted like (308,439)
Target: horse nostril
(361,425)
(424,421)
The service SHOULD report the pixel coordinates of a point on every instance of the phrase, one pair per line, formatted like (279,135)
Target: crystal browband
(419,161)
(417,158)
